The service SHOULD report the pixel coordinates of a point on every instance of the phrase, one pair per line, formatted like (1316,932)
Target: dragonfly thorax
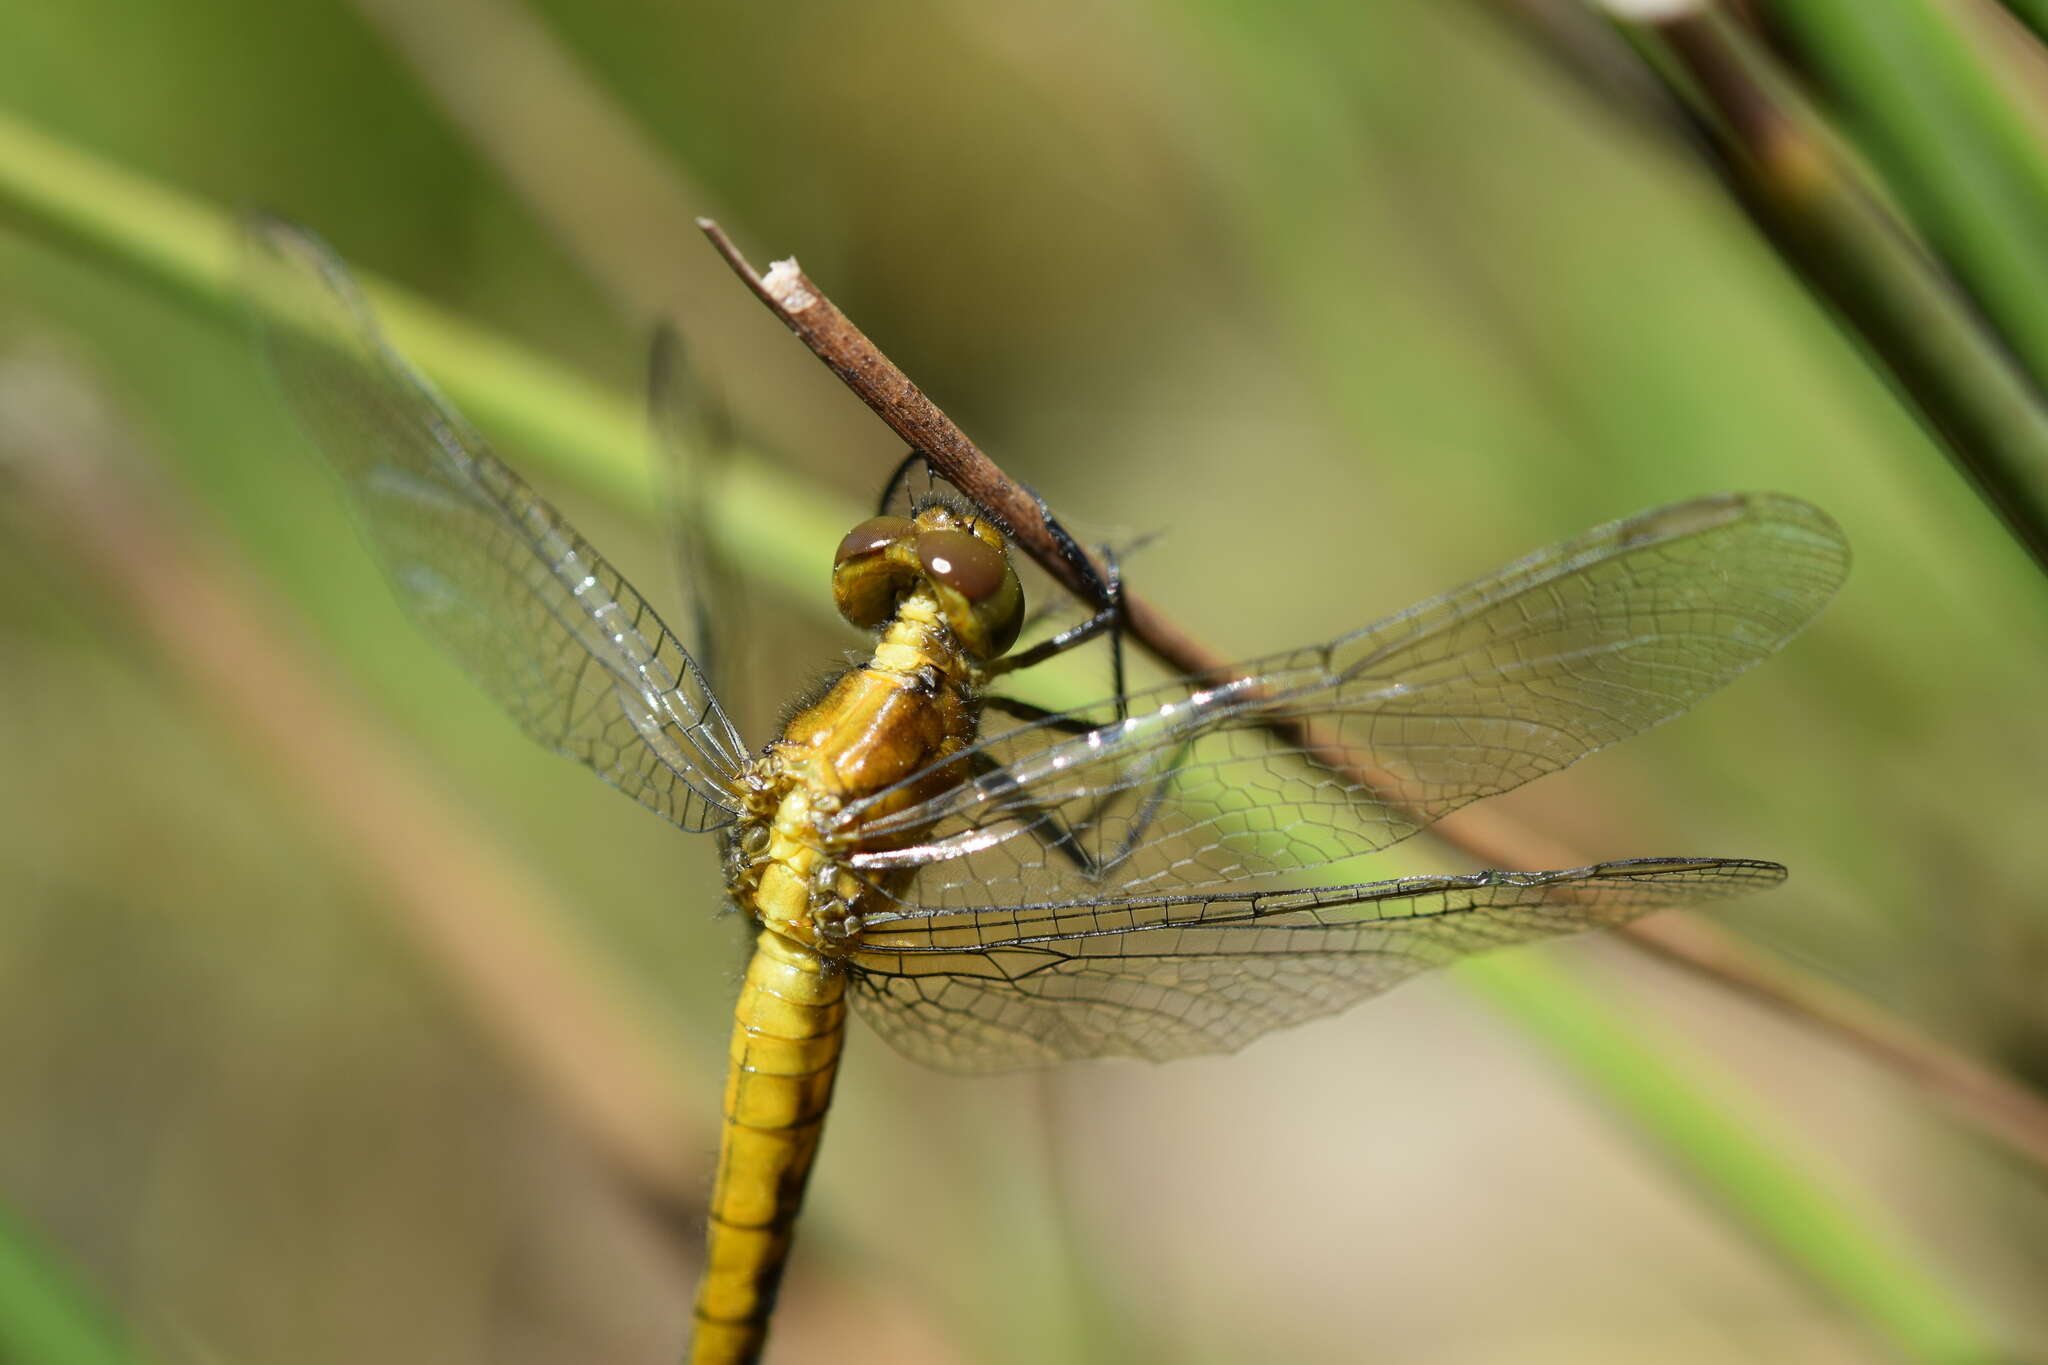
(876,743)
(784,876)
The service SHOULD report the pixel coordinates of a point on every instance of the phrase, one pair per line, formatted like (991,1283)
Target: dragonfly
(999,885)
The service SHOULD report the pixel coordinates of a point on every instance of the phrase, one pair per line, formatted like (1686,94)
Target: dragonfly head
(958,556)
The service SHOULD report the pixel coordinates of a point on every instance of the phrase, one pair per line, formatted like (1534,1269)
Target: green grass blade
(2032,13)
(1939,122)
(45,1318)
(570,428)
(1958,376)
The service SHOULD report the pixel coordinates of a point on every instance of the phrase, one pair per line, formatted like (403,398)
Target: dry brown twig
(1992,1103)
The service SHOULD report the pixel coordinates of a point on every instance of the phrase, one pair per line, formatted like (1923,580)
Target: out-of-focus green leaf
(1930,107)
(45,1318)
(581,432)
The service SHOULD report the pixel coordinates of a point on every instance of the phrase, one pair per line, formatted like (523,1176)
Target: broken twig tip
(786,284)
(723,245)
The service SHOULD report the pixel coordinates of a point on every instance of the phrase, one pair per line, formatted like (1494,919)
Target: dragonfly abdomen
(787,1033)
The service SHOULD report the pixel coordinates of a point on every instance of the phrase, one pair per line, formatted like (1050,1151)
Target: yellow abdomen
(787,1033)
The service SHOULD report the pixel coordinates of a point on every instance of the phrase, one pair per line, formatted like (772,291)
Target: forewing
(1179,976)
(1344,748)
(694,444)
(483,564)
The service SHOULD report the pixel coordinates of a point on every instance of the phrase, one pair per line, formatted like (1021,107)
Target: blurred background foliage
(1345,307)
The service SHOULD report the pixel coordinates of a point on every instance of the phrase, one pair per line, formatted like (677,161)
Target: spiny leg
(1104,590)
(1099,594)
(1109,618)
(899,476)
(1062,835)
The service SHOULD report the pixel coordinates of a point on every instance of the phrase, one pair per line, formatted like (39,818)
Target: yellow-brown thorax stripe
(899,715)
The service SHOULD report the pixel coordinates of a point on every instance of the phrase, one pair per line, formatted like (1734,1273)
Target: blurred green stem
(572,428)
(1936,117)
(2032,13)
(1918,329)
(44,1317)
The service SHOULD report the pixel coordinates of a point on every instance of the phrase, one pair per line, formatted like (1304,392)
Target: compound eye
(976,587)
(869,573)
(962,562)
(876,533)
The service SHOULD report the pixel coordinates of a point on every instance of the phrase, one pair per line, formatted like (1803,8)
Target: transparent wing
(483,564)
(1344,748)
(1182,975)
(694,443)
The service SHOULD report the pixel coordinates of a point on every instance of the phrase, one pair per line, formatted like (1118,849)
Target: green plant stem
(1935,116)
(570,427)
(1959,379)
(45,1318)
(2032,13)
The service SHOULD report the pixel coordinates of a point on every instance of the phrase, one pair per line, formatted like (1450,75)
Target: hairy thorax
(898,715)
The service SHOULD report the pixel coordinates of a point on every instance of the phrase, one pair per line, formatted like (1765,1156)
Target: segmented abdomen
(787,1032)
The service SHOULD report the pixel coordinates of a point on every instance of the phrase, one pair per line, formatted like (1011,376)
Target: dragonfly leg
(1106,589)
(1101,593)
(1103,589)
(1055,832)
(898,477)
(1116,630)
(1109,617)
(1037,715)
